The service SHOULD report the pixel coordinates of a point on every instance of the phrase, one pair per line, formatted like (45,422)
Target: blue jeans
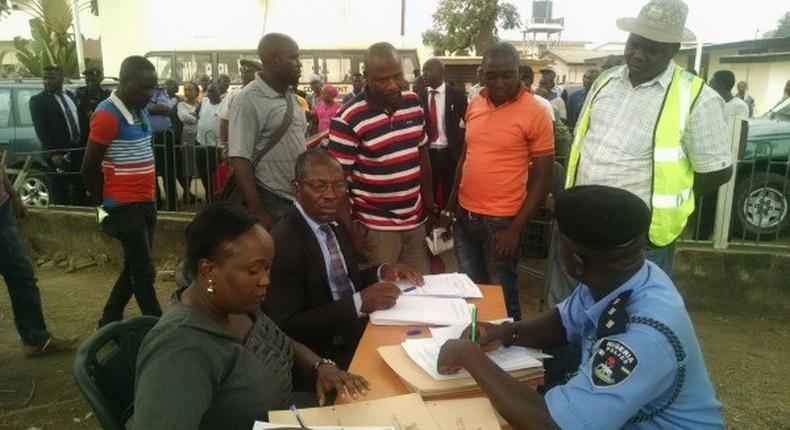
(473,237)
(133,225)
(17,271)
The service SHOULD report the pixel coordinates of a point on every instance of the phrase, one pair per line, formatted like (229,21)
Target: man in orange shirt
(503,176)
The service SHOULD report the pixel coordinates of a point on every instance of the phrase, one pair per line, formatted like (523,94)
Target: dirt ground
(746,356)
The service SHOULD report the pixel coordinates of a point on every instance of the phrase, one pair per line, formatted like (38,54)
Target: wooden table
(368,363)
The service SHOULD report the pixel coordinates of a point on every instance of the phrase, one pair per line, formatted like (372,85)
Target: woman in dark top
(214,360)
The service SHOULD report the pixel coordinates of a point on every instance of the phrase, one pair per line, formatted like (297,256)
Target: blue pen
(298,416)
(409,289)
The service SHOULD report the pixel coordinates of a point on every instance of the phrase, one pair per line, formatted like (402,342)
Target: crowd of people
(286,281)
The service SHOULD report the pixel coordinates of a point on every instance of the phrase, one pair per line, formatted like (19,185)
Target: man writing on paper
(317,295)
(642,366)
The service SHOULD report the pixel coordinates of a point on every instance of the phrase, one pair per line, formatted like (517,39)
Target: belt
(439,150)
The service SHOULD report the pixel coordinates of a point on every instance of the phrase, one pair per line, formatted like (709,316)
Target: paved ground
(747,357)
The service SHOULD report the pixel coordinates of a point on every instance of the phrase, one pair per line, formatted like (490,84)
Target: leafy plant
(52,41)
(462,25)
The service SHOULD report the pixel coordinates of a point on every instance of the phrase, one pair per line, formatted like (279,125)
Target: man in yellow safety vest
(653,129)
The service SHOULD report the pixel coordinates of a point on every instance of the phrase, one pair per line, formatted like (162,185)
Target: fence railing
(186,172)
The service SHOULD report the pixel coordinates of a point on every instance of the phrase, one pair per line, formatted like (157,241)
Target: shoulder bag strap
(278,134)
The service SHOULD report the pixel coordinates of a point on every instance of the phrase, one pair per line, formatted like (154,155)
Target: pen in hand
(298,416)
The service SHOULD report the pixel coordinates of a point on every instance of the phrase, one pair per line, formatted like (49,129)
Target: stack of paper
(407,412)
(424,384)
(443,334)
(445,285)
(416,310)
(425,352)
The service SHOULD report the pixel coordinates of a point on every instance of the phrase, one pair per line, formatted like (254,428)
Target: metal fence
(187,174)
(752,208)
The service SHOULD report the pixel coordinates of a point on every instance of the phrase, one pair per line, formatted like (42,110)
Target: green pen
(474,324)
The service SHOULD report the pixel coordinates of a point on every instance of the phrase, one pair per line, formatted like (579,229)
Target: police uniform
(642,367)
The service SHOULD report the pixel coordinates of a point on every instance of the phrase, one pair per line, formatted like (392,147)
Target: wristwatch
(513,336)
(323,361)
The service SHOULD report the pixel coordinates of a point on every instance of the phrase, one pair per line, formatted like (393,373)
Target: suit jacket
(50,123)
(455,104)
(299,298)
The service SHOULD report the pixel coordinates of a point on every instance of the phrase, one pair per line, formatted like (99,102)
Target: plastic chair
(104,369)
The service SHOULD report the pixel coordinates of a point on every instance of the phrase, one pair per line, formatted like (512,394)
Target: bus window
(308,64)
(336,68)
(409,64)
(228,63)
(192,66)
(164,66)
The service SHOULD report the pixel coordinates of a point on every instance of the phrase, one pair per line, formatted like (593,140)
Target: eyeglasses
(322,186)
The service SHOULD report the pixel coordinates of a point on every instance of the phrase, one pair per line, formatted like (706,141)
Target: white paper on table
(412,310)
(425,352)
(263,425)
(444,285)
(443,334)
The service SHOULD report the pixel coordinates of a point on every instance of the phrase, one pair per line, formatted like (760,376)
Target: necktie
(433,118)
(337,270)
(74,130)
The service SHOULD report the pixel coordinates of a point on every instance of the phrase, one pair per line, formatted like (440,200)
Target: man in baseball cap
(652,129)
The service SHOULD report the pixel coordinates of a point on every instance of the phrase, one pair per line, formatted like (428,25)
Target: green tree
(52,40)
(782,27)
(460,26)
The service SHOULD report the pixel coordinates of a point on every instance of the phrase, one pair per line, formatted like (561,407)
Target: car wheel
(762,205)
(35,190)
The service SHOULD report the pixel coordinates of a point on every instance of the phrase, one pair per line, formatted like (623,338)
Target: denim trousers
(474,243)
(17,271)
(133,225)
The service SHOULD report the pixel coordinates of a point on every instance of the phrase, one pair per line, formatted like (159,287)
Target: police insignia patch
(612,364)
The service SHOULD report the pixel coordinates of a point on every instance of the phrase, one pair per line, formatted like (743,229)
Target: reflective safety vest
(672,197)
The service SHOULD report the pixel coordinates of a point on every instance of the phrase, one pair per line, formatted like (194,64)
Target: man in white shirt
(723,81)
(207,152)
(474,90)
(527,78)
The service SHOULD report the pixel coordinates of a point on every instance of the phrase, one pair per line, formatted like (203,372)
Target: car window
(23,102)
(5,107)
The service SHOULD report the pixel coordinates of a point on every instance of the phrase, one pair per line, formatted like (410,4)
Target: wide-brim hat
(660,20)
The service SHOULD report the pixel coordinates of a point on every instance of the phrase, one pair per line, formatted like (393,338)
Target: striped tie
(337,269)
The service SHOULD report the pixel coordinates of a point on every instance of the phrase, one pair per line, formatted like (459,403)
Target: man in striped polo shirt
(379,139)
(119,172)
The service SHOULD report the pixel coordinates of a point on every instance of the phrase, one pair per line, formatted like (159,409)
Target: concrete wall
(76,231)
(735,281)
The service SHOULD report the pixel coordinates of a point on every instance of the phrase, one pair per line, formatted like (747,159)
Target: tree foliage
(463,26)
(52,40)
(782,27)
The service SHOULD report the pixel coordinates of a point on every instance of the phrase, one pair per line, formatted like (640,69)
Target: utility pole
(402,17)
(78,36)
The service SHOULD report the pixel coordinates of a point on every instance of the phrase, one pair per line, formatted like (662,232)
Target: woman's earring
(210,288)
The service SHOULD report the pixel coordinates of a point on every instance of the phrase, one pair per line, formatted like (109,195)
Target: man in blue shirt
(642,367)
(358,85)
(576,99)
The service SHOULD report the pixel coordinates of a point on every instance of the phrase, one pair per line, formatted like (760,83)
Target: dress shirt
(315,227)
(439,96)
(72,110)
(618,147)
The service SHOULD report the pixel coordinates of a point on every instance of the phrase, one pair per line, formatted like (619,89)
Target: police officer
(88,97)
(642,367)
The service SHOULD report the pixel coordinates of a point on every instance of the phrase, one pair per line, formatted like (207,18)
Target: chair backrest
(104,369)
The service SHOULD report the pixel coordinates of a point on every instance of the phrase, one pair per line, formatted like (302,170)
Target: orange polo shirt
(500,143)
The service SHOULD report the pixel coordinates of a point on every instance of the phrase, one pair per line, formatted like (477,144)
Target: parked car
(18,138)
(761,205)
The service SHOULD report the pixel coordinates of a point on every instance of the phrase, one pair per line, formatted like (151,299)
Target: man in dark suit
(445,108)
(56,122)
(317,294)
